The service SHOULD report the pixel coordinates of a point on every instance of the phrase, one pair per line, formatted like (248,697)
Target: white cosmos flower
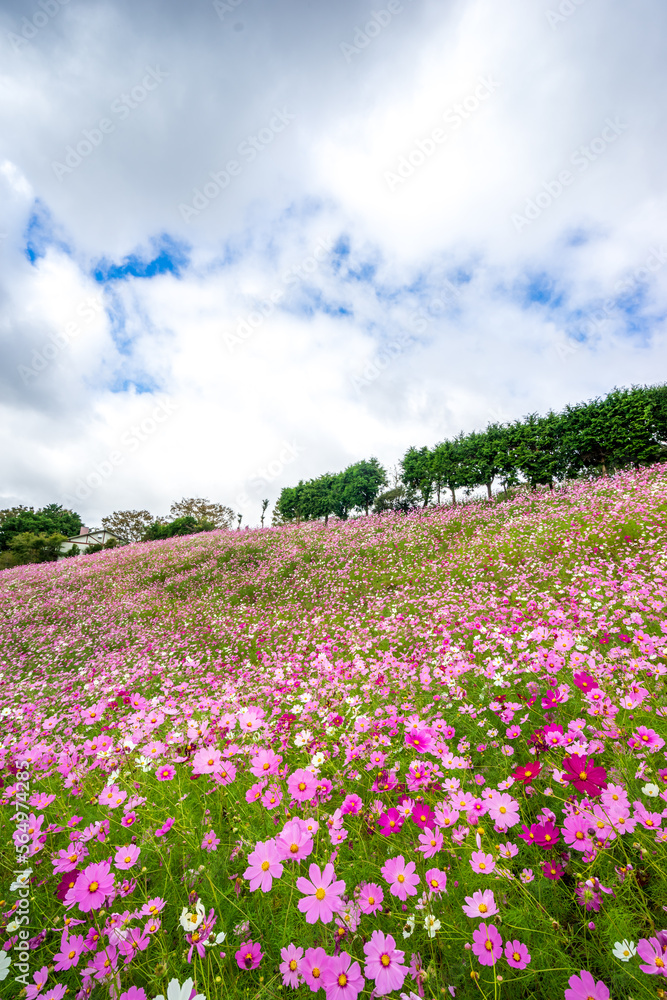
(190,920)
(409,926)
(303,737)
(5,962)
(21,880)
(431,925)
(624,950)
(317,758)
(177,992)
(651,790)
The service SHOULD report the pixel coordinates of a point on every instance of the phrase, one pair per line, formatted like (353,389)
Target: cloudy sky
(244,242)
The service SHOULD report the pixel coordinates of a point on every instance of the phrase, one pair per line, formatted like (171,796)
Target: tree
(363,482)
(482,454)
(28,547)
(446,466)
(265,504)
(203,510)
(536,448)
(50,519)
(187,525)
(129,524)
(418,474)
(399,498)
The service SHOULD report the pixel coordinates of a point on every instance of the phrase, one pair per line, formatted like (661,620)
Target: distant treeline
(628,427)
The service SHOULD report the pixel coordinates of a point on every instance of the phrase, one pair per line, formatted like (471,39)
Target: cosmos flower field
(405,756)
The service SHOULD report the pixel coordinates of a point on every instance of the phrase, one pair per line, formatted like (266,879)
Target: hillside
(418,655)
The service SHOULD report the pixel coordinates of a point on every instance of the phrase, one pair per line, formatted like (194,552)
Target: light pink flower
(289,967)
(487,944)
(482,863)
(481,904)
(384,963)
(401,877)
(342,979)
(125,857)
(321,894)
(263,866)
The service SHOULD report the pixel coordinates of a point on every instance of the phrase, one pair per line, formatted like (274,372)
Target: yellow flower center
(265,866)
(483,907)
(385,960)
(292,965)
(401,878)
(93,887)
(342,979)
(320,894)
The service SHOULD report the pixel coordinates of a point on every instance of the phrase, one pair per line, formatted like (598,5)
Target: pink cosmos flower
(165,773)
(125,857)
(584,987)
(210,841)
(482,863)
(302,785)
(67,860)
(351,804)
(504,811)
(370,898)
(311,966)
(134,993)
(576,832)
(249,955)
(487,944)
(584,775)
(648,739)
(481,904)
(291,960)
(40,978)
(71,949)
(321,894)
(446,817)
(206,761)
(272,797)
(430,842)
(401,877)
(516,954)
(266,762)
(166,827)
(384,963)
(263,866)
(342,979)
(436,881)
(294,843)
(255,792)
(129,819)
(92,886)
(654,954)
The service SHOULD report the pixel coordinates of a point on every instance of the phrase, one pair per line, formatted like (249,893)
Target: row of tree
(627,427)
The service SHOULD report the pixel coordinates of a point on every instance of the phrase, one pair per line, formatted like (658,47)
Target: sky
(248,242)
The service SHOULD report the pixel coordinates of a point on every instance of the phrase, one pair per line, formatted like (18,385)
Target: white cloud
(535,319)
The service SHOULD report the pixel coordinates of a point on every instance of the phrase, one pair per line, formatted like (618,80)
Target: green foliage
(50,519)
(29,547)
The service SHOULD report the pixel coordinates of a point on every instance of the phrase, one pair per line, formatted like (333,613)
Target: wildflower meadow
(406,755)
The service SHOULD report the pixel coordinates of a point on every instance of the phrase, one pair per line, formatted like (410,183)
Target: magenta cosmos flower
(342,979)
(487,944)
(481,904)
(165,773)
(321,894)
(93,886)
(249,955)
(584,987)
(584,775)
(384,963)
(516,954)
(263,866)
(390,822)
(401,877)
(302,785)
